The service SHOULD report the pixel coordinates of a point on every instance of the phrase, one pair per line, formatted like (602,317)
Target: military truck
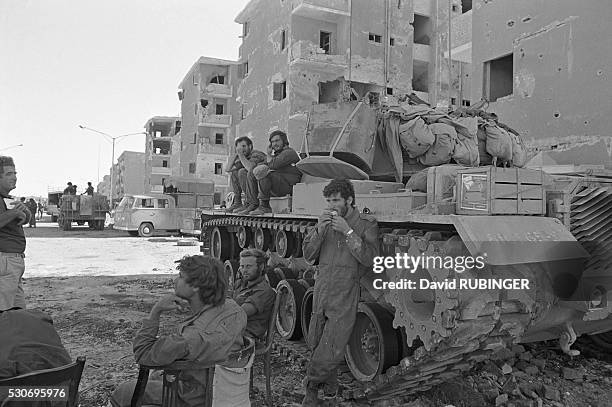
(81,209)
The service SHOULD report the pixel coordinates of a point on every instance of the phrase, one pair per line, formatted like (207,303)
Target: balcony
(220,149)
(325,10)
(214,120)
(160,171)
(308,52)
(217,90)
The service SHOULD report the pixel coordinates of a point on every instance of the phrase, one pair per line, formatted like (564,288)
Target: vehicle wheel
(133,233)
(221,244)
(263,239)
(284,242)
(289,321)
(373,346)
(146,229)
(243,235)
(306,313)
(232,273)
(603,340)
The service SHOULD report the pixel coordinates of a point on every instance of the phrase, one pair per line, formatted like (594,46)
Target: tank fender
(506,240)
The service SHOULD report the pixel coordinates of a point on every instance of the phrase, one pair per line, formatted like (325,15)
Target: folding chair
(171,372)
(69,375)
(265,349)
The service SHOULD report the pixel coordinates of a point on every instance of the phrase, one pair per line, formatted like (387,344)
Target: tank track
(453,339)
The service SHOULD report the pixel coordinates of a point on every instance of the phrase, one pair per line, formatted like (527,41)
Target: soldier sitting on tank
(253,292)
(278,175)
(344,242)
(239,165)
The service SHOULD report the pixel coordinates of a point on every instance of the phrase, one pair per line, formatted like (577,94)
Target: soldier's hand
(21,216)
(20,206)
(169,302)
(324,220)
(339,225)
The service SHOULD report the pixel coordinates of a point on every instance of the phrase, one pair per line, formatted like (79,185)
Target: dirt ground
(97,316)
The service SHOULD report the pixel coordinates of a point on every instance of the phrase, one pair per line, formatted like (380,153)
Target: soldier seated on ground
(253,293)
(278,175)
(28,342)
(213,331)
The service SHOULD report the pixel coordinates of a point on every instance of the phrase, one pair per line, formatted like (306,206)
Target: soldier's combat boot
(311,399)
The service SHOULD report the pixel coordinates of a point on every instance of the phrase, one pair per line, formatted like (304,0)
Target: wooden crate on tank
(500,191)
(390,204)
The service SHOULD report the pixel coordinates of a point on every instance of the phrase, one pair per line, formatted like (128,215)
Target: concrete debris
(571,374)
(501,400)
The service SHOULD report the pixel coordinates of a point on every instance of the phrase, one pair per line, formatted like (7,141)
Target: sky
(109,65)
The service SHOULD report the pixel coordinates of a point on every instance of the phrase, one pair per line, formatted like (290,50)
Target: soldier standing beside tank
(344,242)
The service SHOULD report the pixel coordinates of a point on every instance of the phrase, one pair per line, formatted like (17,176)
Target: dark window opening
(195,138)
(391,41)
(218,168)
(329,91)
(375,37)
(498,78)
(177,127)
(245,69)
(422,29)
(389,91)
(466,5)
(245,29)
(192,168)
(283,39)
(218,138)
(465,102)
(203,103)
(165,163)
(217,198)
(242,111)
(219,109)
(420,77)
(453,101)
(455,8)
(220,79)
(325,41)
(279,90)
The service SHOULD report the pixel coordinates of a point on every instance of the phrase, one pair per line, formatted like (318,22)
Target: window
(422,29)
(465,102)
(145,203)
(177,126)
(325,41)
(455,8)
(162,203)
(180,94)
(194,79)
(243,111)
(195,138)
(165,163)
(466,5)
(192,168)
(498,78)
(218,138)
(245,29)
(219,109)
(283,39)
(220,79)
(453,101)
(391,41)
(375,38)
(244,69)
(218,168)
(389,91)
(279,90)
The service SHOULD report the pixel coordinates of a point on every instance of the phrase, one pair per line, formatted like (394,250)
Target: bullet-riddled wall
(545,67)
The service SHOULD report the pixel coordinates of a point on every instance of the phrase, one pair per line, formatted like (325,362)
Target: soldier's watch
(349,232)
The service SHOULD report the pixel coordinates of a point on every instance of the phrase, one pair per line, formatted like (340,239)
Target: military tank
(549,230)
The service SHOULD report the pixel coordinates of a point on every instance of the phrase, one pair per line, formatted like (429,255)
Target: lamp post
(9,147)
(112,139)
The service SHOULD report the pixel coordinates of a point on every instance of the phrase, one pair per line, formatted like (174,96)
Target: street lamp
(112,140)
(9,147)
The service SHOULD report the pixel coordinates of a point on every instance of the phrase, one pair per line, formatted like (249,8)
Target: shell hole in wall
(599,72)
(586,122)
(540,56)
(556,115)
(510,23)
(526,19)
(559,69)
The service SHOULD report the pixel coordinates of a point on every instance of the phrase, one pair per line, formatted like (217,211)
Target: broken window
(391,41)
(389,91)
(453,101)
(219,109)
(283,39)
(218,138)
(177,127)
(498,77)
(466,5)
(192,168)
(279,90)
(165,163)
(245,29)
(422,29)
(420,76)
(218,168)
(329,91)
(465,102)
(375,37)
(325,41)
(220,79)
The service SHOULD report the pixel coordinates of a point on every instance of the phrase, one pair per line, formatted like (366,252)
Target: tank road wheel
(146,229)
(221,244)
(288,321)
(262,239)
(243,235)
(603,340)
(284,242)
(306,314)
(232,272)
(373,345)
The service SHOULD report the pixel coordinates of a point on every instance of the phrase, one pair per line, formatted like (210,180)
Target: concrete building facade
(208,114)
(161,130)
(129,174)
(302,52)
(544,66)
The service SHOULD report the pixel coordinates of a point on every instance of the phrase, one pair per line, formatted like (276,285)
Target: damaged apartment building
(161,132)
(296,53)
(208,113)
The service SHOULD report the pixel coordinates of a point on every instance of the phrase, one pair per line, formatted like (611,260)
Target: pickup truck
(142,215)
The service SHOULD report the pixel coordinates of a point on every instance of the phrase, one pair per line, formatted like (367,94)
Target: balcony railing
(305,51)
(326,10)
(214,120)
(160,171)
(217,90)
